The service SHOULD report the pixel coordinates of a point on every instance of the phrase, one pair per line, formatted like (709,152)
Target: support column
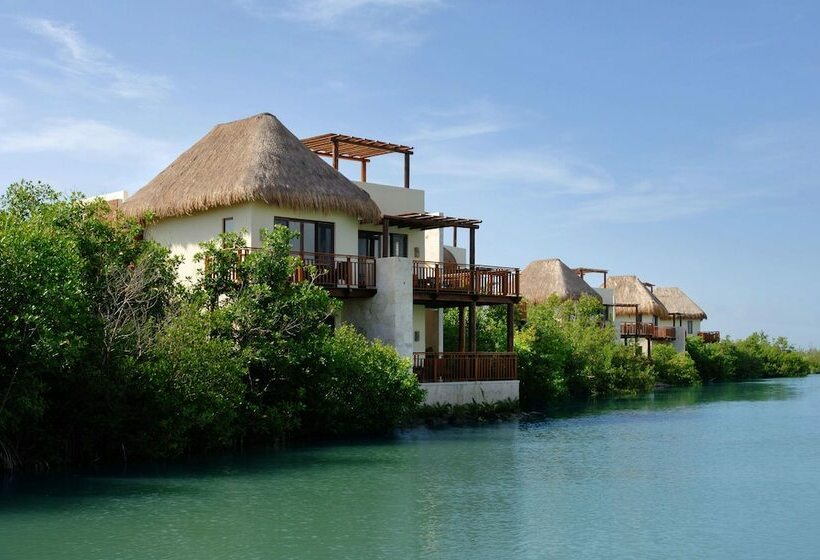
(461,328)
(406,171)
(335,154)
(510,327)
(473,328)
(385,237)
(364,171)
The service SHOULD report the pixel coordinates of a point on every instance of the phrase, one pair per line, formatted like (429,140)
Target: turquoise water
(729,471)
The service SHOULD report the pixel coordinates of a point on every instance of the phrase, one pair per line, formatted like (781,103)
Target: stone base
(465,392)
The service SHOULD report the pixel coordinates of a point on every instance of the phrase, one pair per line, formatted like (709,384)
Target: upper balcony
(647,330)
(437,282)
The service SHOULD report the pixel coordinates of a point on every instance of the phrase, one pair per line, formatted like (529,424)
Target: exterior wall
(394,200)
(465,392)
(419,326)
(345,228)
(183,234)
(608,298)
(389,315)
(433,245)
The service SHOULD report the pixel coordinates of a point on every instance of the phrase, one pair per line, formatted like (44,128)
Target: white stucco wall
(183,234)
(389,315)
(465,392)
(394,200)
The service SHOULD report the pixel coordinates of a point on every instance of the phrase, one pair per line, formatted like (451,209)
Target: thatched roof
(676,301)
(253,159)
(545,277)
(630,290)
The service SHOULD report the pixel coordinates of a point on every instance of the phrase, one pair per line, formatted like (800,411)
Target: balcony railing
(709,336)
(648,330)
(331,270)
(465,366)
(440,277)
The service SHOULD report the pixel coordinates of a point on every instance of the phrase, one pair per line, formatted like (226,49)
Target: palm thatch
(630,290)
(253,159)
(676,301)
(545,277)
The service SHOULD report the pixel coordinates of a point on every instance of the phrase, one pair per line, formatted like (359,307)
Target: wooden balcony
(710,337)
(461,283)
(647,330)
(433,367)
(344,276)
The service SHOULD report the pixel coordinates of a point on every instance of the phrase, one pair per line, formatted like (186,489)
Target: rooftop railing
(440,277)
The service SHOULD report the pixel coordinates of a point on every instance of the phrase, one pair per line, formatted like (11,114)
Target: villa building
(684,313)
(638,314)
(376,247)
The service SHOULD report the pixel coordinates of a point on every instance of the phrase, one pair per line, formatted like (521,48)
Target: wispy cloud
(536,172)
(85,65)
(474,118)
(86,139)
(374,21)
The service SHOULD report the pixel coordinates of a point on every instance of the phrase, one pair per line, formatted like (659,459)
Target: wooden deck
(448,283)
(709,337)
(647,330)
(432,367)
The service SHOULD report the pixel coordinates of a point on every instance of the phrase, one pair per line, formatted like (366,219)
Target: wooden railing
(709,336)
(461,278)
(648,330)
(465,366)
(331,270)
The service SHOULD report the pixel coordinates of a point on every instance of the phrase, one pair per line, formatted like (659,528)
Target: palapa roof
(676,301)
(542,278)
(630,290)
(253,159)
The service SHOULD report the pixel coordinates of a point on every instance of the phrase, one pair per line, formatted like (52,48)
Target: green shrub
(673,367)
(754,357)
(364,386)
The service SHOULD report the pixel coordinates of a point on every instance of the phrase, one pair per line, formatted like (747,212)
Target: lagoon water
(727,471)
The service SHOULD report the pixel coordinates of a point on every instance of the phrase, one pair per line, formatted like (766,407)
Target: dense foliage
(565,350)
(753,357)
(103,355)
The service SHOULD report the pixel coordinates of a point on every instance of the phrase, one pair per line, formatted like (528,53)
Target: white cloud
(87,65)
(374,21)
(88,139)
(540,172)
(475,118)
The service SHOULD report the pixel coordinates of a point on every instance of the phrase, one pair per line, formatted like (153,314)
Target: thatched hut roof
(545,277)
(630,290)
(676,301)
(253,159)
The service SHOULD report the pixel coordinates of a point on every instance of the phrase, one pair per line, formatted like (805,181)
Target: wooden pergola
(341,146)
(581,271)
(425,221)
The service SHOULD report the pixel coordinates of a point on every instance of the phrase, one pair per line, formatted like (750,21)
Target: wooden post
(364,171)
(406,170)
(473,328)
(510,327)
(604,279)
(461,328)
(385,237)
(455,236)
(336,154)
(473,286)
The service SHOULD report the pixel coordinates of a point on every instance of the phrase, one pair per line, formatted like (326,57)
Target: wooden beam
(510,327)
(461,328)
(385,237)
(473,328)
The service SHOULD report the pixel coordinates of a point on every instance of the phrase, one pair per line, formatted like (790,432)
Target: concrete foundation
(465,392)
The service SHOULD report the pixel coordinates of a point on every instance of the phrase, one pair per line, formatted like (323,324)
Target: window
(227,225)
(398,245)
(370,244)
(690,328)
(655,320)
(313,237)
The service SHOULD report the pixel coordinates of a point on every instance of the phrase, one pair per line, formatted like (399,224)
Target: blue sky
(675,141)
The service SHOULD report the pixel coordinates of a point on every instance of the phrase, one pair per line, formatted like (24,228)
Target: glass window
(690,329)
(370,244)
(398,245)
(313,237)
(227,225)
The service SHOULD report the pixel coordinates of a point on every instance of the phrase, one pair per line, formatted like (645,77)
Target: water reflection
(677,397)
